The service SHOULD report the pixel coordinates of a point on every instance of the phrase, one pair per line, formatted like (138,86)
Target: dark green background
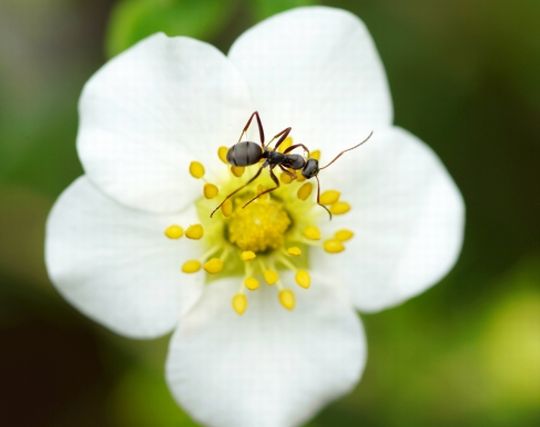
(464,76)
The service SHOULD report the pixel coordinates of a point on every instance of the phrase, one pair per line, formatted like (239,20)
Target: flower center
(259,227)
(263,240)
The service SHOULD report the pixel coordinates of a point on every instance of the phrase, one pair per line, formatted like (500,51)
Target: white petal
(315,69)
(270,367)
(115,264)
(408,216)
(150,111)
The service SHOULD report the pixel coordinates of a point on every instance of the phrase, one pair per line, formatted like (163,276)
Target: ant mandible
(246,153)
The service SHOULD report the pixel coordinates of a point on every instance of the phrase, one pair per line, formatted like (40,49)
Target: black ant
(246,153)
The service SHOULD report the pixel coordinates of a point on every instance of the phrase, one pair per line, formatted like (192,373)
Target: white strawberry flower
(154,126)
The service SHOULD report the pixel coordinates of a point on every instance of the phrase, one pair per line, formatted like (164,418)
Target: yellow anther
(287,142)
(294,251)
(299,176)
(239,304)
(315,154)
(304,191)
(247,255)
(238,171)
(287,299)
(213,265)
(222,154)
(251,283)
(191,266)
(195,231)
(196,169)
(270,277)
(333,246)
(340,208)
(303,279)
(285,178)
(260,189)
(312,233)
(174,231)
(343,235)
(210,190)
(329,196)
(227,208)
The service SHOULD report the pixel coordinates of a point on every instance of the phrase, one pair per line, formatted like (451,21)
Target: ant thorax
(274,157)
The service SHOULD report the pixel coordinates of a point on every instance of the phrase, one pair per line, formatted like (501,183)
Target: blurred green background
(465,77)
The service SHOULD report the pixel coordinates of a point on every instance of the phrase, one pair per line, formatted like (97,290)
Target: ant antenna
(348,149)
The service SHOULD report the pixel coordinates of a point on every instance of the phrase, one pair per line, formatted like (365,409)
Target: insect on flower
(247,153)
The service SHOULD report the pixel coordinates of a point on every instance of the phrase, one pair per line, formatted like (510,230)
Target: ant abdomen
(244,154)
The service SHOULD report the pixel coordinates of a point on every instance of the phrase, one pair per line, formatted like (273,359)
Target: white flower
(168,103)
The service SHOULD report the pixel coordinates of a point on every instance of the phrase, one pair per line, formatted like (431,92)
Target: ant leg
(319,197)
(253,178)
(259,125)
(292,147)
(268,190)
(282,135)
(288,172)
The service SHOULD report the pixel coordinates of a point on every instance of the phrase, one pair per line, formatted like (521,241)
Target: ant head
(311,168)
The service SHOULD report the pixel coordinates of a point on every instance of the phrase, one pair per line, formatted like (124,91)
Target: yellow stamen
(247,255)
(340,208)
(270,277)
(240,304)
(333,246)
(303,279)
(304,191)
(213,265)
(299,176)
(210,190)
(237,171)
(343,235)
(287,142)
(191,266)
(227,208)
(196,169)
(329,196)
(251,283)
(285,178)
(222,154)
(315,154)
(312,233)
(260,189)
(287,299)
(174,231)
(195,231)
(294,251)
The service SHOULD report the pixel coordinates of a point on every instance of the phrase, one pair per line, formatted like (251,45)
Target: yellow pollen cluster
(259,227)
(265,239)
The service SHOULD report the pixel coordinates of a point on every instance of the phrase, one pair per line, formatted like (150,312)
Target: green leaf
(133,20)
(265,8)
